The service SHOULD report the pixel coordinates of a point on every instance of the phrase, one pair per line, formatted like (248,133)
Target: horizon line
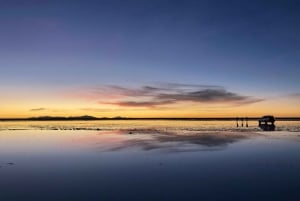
(91,118)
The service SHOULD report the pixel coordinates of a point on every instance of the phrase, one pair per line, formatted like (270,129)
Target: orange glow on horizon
(181,110)
(44,103)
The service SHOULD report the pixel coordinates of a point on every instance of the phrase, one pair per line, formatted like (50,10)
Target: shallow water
(170,125)
(149,164)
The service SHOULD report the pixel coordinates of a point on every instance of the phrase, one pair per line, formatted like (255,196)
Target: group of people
(242,119)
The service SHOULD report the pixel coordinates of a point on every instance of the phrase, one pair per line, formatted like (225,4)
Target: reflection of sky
(77,165)
(148,126)
(248,47)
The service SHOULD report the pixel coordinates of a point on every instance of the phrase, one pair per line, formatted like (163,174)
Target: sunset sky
(149,58)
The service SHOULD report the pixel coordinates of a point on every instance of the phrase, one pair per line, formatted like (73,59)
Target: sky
(149,58)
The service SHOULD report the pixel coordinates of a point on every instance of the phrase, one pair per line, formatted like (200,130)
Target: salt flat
(149,164)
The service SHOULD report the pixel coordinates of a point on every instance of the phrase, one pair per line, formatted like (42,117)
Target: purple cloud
(166,94)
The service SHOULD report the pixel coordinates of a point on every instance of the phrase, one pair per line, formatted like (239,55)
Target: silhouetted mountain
(45,118)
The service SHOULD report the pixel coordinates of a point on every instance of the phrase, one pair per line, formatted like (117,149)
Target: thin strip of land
(91,118)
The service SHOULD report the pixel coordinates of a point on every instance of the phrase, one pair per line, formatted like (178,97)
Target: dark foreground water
(149,164)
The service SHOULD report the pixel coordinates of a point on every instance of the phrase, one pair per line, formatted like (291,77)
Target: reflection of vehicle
(266,120)
(266,123)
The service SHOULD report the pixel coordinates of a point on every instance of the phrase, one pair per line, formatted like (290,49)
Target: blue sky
(250,47)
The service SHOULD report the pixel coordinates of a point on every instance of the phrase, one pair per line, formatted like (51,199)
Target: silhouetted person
(246,121)
(237,122)
(242,119)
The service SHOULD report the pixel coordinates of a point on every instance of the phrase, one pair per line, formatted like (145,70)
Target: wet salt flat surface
(149,163)
(171,125)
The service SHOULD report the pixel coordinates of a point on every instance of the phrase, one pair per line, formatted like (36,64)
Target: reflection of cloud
(37,109)
(166,94)
(172,142)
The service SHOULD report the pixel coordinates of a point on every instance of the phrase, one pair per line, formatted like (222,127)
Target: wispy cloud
(167,94)
(37,109)
(143,103)
(295,95)
(110,109)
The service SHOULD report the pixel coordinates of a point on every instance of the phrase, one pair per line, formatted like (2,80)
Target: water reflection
(267,127)
(67,165)
(142,124)
(174,142)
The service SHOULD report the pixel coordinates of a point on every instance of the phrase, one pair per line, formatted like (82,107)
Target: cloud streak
(294,95)
(168,94)
(37,109)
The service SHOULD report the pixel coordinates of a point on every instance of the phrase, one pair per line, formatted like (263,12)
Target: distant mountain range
(85,117)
